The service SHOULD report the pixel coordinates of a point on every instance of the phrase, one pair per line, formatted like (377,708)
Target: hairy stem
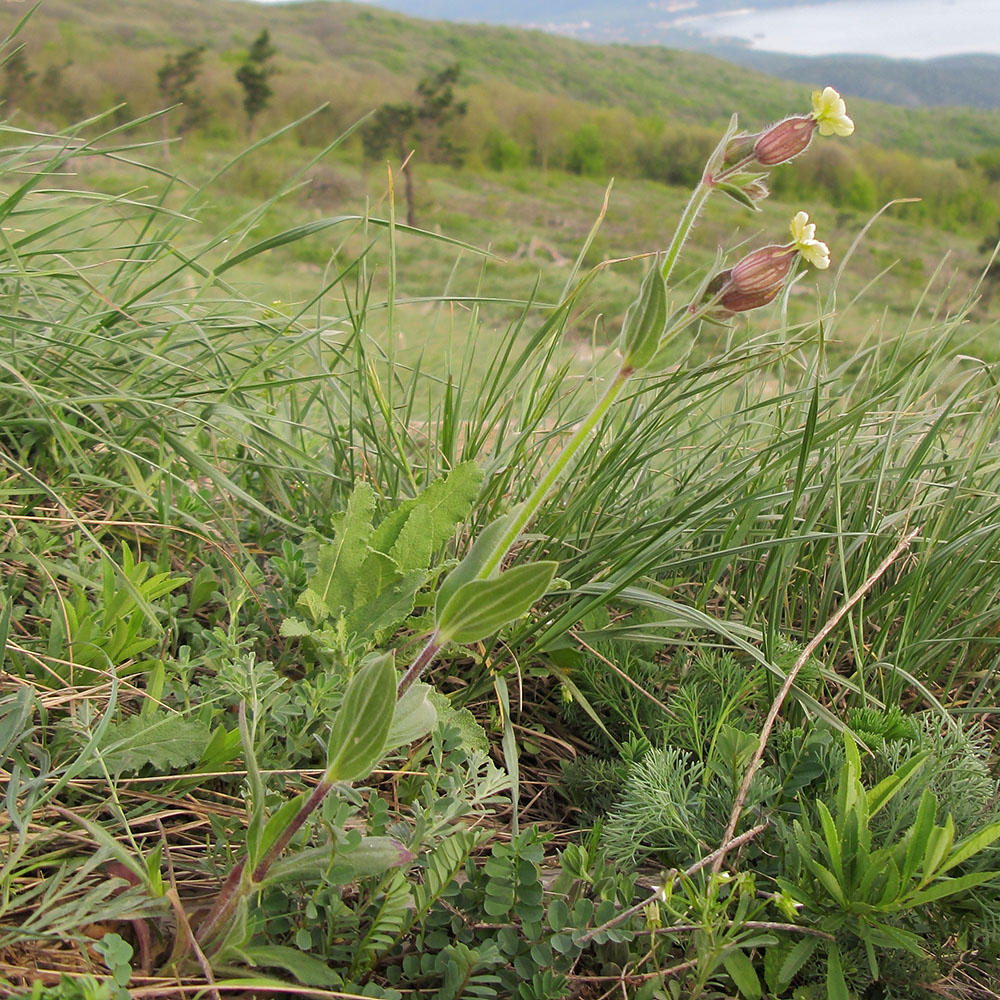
(419,665)
(698,198)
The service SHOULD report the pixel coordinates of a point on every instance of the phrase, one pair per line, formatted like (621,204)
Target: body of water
(915,29)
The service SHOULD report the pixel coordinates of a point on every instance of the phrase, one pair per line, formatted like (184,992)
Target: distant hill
(972,81)
(357,55)
(950,81)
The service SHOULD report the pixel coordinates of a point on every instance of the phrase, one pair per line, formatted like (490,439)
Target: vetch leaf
(480,607)
(361,725)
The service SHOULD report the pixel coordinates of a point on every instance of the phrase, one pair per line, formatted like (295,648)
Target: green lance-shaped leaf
(372,856)
(483,551)
(480,607)
(645,321)
(414,717)
(361,726)
(743,974)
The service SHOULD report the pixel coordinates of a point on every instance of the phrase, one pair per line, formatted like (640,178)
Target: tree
(586,151)
(18,78)
(53,97)
(253,77)
(175,81)
(400,126)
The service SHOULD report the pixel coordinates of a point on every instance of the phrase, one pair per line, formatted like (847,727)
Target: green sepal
(737,194)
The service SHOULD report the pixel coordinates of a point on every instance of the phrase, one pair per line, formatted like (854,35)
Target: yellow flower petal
(804,240)
(802,229)
(830,113)
(816,253)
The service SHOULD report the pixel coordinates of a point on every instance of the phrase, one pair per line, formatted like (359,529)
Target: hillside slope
(354,55)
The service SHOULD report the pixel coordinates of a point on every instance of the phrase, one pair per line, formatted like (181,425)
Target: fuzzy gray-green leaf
(339,563)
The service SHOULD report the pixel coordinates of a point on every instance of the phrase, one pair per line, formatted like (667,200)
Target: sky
(896,28)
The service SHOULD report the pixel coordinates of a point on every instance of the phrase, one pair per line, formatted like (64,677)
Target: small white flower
(813,250)
(830,113)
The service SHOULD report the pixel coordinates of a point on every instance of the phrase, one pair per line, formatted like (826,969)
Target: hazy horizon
(898,29)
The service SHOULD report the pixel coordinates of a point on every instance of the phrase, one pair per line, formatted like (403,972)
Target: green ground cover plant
(291,624)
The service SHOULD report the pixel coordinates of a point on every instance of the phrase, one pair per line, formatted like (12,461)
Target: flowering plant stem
(238,885)
(697,200)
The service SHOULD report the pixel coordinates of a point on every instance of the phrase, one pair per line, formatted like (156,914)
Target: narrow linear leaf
(836,985)
(796,958)
(949,886)
(971,846)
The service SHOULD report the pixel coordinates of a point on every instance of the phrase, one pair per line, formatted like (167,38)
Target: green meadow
(493,605)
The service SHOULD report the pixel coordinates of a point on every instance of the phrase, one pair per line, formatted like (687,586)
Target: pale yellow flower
(804,239)
(830,113)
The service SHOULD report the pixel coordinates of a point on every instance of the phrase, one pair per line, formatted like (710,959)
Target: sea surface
(915,29)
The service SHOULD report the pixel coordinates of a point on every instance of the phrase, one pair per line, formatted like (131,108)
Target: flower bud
(730,298)
(763,269)
(756,191)
(754,281)
(739,147)
(784,141)
(734,300)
